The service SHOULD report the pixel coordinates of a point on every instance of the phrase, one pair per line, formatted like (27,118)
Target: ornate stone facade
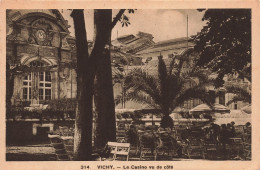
(39,39)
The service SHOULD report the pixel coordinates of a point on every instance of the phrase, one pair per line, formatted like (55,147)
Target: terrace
(190,138)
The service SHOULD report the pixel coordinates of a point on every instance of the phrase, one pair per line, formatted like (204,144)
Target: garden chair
(148,145)
(210,144)
(116,151)
(239,130)
(247,130)
(210,148)
(194,147)
(65,131)
(235,147)
(247,144)
(178,135)
(167,145)
(58,145)
(68,142)
(120,136)
(133,139)
(247,150)
(243,142)
(122,150)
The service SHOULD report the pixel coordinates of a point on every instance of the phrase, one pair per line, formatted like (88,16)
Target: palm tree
(119,74)
(240,94)
(170,88)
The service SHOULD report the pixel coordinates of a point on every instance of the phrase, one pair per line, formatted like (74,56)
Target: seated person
(132,135)
(223,136)
(185,134)
(233,127)
(230,130)
(172,144)
(149,140)
(248,128)
(248,124)
(215,132)
(206,133)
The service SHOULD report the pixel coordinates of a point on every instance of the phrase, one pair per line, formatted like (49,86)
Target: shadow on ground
(30,157)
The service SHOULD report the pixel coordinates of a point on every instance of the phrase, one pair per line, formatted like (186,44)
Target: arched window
(37,83)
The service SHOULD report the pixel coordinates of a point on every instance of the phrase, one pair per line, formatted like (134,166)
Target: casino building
(40,48)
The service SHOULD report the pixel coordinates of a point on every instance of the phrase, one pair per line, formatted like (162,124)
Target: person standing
(224,139)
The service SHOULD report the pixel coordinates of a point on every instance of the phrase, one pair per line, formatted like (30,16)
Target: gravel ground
(46,153)
(30,153)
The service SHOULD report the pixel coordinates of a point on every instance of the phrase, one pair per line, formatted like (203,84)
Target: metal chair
(148,145)
(247,143)
(120,136)
(210,148)
(194,147)
(68,142)
(133,139)
(168,145)
(236,145)
(65,131)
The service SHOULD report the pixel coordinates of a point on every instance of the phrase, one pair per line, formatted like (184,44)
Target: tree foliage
(170,88)
(224,43)
(240,94)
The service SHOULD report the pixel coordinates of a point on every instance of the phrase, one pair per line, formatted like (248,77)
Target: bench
(117,150)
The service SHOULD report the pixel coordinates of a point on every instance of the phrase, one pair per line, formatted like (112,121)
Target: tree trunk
(105,107)
(85,79)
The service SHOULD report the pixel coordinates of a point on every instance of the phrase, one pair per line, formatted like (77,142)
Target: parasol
(202,108)
(247,109)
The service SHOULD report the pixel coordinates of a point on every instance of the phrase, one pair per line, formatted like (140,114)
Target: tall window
(43,81)
(27,87)
(45,86)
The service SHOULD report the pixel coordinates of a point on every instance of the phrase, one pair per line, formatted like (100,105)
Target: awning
(143,111)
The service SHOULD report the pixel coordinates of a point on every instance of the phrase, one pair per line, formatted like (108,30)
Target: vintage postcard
(129,85)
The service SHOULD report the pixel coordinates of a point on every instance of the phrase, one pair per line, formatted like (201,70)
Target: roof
(172,44)
(134,43)
(171,41)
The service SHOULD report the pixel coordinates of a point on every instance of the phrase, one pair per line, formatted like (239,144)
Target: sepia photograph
(128,84)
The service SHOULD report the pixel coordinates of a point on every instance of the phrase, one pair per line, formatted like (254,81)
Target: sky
(163,24)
